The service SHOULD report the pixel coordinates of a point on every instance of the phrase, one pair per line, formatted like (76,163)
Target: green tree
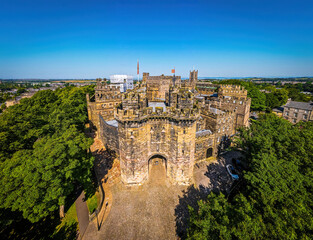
(43,151)
(257,99)
(212,220)
(276,98)
(275,197)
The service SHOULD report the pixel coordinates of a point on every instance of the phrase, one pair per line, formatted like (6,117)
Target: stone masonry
(167,118)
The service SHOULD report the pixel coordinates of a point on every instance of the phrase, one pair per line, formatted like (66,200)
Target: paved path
(82,213)
(147,212)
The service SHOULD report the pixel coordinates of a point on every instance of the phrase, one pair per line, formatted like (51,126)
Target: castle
(167,118)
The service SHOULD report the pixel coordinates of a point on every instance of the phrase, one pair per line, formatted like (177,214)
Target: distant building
(278,111)
(295,112)
(123,81)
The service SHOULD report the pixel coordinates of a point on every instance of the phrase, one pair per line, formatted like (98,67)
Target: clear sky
(93,38)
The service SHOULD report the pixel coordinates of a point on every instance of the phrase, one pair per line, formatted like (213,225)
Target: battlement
(157,112)
(232,90)
(107,87)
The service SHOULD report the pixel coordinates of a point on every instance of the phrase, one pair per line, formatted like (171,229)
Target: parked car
(232,172)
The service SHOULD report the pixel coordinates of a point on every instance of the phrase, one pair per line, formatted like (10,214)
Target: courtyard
(158,209)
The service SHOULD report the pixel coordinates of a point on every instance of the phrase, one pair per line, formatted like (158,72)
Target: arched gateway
(157,166)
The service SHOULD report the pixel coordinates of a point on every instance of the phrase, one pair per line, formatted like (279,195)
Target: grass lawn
(48,228)
(68,227)
(93,202)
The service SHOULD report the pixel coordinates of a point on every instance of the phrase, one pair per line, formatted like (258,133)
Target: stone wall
(158,86)
(103,103)
(108,134)
(221,123)
(295,115)
(204,145)
(140,141)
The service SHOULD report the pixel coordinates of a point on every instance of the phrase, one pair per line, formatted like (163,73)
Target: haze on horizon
(90,39)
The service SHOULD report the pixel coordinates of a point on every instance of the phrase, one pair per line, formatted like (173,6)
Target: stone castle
(179,121)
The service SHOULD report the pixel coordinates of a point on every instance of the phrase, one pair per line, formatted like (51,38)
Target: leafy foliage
(276,98)
(275,198)
(44,151)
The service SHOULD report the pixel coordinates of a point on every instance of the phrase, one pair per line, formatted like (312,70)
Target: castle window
(296,110)
(218,139)
(103,105)
(240,102)
(234,101)
(287,114)
(184,131)
(294,120)
(305,116)
(296,114)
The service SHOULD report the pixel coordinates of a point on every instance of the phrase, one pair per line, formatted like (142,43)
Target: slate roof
(300,105)
(203,132)
(216,111)
(278,110)
(113,123)
(157,104)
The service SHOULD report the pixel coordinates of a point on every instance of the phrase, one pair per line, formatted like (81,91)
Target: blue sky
(91,38)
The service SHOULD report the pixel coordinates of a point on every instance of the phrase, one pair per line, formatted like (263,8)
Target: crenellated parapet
(157,112)
(232,90)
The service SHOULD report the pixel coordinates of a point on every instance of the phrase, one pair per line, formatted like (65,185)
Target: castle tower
(193,78)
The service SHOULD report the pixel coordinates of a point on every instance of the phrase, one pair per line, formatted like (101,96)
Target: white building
(123,81)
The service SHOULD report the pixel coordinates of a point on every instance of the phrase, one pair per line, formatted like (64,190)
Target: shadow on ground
(103,161)
(190,197)
(208,177)
(23,229)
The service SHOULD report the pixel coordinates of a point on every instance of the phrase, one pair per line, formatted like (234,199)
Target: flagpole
(138,70)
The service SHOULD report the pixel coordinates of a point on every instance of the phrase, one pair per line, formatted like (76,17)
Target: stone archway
(157,166)
(209,152)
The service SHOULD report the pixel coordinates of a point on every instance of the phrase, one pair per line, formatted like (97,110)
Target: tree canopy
(44,151)
(274,200)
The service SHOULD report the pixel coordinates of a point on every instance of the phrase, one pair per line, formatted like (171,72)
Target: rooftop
(113,123)
(300,105)
(203,132)
(157,104)
(216,111)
